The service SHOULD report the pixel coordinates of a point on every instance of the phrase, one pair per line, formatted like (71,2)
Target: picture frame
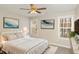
(9,22)
(48,24)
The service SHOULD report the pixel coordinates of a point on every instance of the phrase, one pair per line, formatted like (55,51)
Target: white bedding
(23,46)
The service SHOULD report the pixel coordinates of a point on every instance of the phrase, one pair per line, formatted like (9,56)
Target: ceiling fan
(33,9)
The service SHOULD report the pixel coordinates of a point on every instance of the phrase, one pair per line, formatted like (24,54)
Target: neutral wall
(51,35)
(23,21)
(77,12)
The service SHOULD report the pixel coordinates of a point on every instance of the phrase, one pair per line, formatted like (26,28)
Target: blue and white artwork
(10,22)
(47,24)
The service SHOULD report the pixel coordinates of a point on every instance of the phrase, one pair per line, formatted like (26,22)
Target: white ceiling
(15,8)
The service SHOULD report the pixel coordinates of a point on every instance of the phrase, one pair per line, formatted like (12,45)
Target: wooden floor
(58,50)
(53,50)
(2,52)
(62,50)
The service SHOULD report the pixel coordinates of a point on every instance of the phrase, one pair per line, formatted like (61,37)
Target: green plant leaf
(72,34)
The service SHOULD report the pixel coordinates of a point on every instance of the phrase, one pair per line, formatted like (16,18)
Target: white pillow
(19,35)
(3,37)
(12,37)
(9,36)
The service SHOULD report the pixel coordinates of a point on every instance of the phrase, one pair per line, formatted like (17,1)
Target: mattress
(26,46)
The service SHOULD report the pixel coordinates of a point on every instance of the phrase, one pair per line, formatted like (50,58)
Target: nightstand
(1,46)
(1,51)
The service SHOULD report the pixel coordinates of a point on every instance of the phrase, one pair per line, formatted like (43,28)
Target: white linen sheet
(26,46)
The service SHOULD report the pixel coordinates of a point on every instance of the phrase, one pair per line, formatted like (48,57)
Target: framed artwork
(9,22)
(47,24)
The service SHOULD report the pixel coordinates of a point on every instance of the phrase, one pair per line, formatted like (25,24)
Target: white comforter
(28,45)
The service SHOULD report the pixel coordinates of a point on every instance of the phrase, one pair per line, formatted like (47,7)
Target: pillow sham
(12,36)
(19,35)
(3,37)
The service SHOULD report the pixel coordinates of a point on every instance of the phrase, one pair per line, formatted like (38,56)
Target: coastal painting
(9,22)
(47,24)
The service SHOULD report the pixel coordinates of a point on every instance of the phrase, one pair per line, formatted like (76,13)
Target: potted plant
(72,35)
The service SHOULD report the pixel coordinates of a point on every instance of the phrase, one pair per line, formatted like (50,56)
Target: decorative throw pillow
(3,37)
(19,35)
(11,37)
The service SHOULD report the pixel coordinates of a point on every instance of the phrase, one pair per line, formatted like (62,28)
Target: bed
(25,46)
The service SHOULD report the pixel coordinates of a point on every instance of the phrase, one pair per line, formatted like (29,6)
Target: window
(65,26)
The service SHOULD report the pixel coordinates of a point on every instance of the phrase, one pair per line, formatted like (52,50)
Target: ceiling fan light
(33,12)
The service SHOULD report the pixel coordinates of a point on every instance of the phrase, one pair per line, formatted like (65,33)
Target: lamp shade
(25,30)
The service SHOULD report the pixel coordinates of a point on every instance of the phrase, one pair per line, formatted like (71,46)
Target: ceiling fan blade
(41,8)
(31,4)
(38,12)
(24,9)
(33,9)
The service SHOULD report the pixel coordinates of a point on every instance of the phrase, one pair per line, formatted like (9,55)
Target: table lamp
(25,31)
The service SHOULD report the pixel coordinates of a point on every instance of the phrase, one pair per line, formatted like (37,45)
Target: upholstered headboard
(12,35)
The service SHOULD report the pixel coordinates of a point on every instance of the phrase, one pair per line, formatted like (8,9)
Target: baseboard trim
(55,44)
